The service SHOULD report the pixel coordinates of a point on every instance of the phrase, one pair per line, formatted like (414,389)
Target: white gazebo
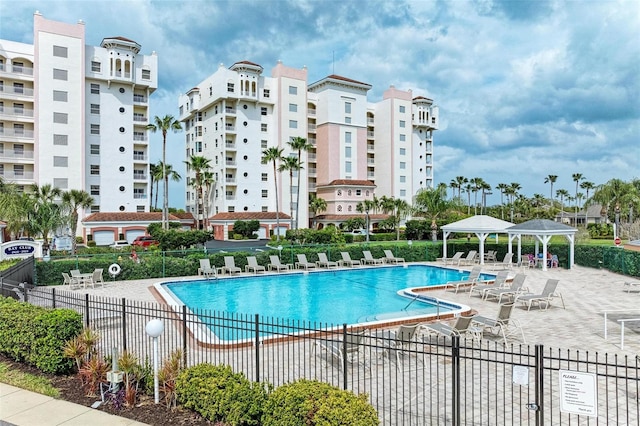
(543,230)
(480,225)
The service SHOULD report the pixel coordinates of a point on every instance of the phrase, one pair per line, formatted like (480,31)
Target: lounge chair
(303,263)
(503,325)
(473,277)
(505,264)
(632,285)
(469,260)
(252,265)
(500,282)
(80,278)
(276,265)
(369,259)
(451,260)
(390,258)
(527,261)
(205,269)
(324,262)
(230,266)
(517,287)
(460,328)
(400,340)
(490,256)
(343,351)
(347,261)
(72,282)
(548,293)
(97,277)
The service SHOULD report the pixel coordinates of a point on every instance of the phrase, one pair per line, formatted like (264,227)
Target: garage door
(262,233)
(103,238)
(131,235)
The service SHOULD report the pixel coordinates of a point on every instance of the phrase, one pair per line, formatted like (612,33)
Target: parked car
(144,241)
(120,244)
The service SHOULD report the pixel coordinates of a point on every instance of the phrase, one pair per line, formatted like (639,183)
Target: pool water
(336,296)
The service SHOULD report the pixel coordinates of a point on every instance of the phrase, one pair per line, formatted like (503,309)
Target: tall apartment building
(358,148)
(75,116)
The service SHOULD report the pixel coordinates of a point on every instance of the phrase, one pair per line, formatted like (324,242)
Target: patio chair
(503,325)
(230,266)
(324,262)
(276,265)
(505,264)
(390,258)
(205,269)
(631,285)
(72,282)
(548,293)
(368,259)
(474,275)
(462,327)
(80,278)
(469,260)
(490,256)
(347,350)
(97,277)
(252,265)
(500,281)
(527,261)
(347,261)
(517,287)
(303,263)
(453,260)
(400,340)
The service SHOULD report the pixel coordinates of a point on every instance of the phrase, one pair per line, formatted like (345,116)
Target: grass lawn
(27,381)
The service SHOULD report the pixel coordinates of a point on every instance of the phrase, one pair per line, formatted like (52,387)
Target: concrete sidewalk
(23,408)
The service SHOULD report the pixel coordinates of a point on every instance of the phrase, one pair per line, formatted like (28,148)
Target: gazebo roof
(478,223)
(541,227)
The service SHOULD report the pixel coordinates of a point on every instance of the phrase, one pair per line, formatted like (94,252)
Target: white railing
(16,154)
(139,118)
(140,138)
(21,91)
(621,321)
(139,196)
(16,133)
(16,112)
(17,69)
(17,176)
(139,157)
(139,99)
(139,176)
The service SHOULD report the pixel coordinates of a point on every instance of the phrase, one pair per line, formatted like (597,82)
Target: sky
(525,89)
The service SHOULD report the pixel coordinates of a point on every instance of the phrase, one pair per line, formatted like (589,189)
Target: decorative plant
(93,373)
(167,376)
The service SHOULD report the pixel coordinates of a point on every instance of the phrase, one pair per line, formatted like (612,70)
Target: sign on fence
(20,249)
(578,393)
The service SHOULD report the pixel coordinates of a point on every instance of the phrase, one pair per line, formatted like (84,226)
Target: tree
(45,213)
(587,186)
(75,199)
(551,179)
(502,187)
(208,181)
(476,185)
(163,125)
(168,173)
(398,209)
(274,155)
(199,165)
(468,188)
(366,207)
(512,192)
(577,177)
(461,181)
(290,164)
(316,205)
(562,194)
(155,173)
(431,203)
(299,144)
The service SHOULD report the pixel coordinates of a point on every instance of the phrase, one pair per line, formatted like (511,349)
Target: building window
(95,149)
(230,87)
(403,179)
(358,192)
(403,192)
(347,137)
(263,110)
(95,209)
(402,108)
(95,109)
(264,177)
(293,90)
(60,139)
(347,120)
(60,51)
(231,209)
(347,107)
(140,209)
(347,166)
(95,169)
(263,127)
(293,108)
(60,161)
(60,117)
(265,209)
(263,144)
(403,165)
(146,74)
(293,124)
(95,129)
(61,183)
(402,123)
(95,66)
(265,193)
(403,138)
(60,96)
(95,190)
(347,152)
(403,151)
(266,93)
(59,74)
(95,89)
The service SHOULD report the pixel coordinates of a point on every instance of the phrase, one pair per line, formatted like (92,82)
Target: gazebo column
(445,234)
(482,236)
(545,241)
(571,249)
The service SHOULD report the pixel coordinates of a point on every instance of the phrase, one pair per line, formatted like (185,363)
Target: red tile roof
(343,217)
(127,217)
(349,182)
(339,77)
(121,39)
(248,63)
(249,216)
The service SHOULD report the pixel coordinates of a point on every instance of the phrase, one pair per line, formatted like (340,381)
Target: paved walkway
(23,408)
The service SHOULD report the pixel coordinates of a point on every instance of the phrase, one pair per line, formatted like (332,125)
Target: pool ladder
(417,296)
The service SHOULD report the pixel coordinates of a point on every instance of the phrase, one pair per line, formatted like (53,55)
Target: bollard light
(154,328)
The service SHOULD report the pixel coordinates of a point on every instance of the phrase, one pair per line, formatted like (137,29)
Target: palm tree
(299,144)
(75,199)
(502,187)
(468,188)
(486,190)
(577,177)
(290,164)
(168,173)
(366,207)
(454,185)
(461,181)
(316,205)
(431,203)
(199,165)
(476,184)
(562,194)
(274,155)
(587,186)
(164,124)
(45,213)
(551,179)
(512,192)
(155,172)
(398,209)
(208,181)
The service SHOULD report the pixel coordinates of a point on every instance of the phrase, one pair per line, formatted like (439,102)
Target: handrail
(622,321)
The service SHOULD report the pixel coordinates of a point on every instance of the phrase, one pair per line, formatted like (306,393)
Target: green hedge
(37,335)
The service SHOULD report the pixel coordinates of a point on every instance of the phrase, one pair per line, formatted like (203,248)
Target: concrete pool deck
(587,294)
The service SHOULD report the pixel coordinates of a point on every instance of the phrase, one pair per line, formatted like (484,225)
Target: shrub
(308,402)
(37,335)
(217,393)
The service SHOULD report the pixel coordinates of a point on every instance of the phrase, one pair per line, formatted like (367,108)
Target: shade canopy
(543,230)
(480,225)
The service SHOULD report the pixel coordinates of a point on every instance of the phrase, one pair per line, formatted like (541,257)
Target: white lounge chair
(347,261)
(500,282)
(277,265)
(517,287)
(400,340)
(97,277)
(466,283)
(205,269)
(347,350)
(469,260)
(252,265)
(505,264)
(453,260)
(303,263)
(503,325)
(369,259)
(460,328)
(230,266)
(548,293)
(390,258)
(324,262)
(632,285)
(72,282)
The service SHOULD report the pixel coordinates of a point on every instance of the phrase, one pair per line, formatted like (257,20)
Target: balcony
(311,157)
(139,157)
(139,99)
(312,171)
(312,141)
(16,69)
(230,181)
(139,138)
(16,133)
(14,112)
(370,147)
(139,176)
(371,175)
(230,197)
(140,118)
(11,154)
(229,110)
(369,120)
(311,111)
(371,161)
(16,92)
(140,196)
(370,134)
(14,176)
(230,145)
(311,128)
(231,163)
(229,127)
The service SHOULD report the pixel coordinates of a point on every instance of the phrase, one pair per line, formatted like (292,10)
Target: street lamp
(617,224)
(154,329)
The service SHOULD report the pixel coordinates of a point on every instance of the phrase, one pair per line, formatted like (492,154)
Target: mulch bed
(144,411)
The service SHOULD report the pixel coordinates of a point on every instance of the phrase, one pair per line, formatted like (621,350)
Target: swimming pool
(351,296)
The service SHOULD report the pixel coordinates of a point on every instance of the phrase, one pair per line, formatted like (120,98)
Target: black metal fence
(15,279)
(431,381)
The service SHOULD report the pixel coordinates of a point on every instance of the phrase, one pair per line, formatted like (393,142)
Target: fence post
(124,324)
(184,335)
(539,372)
(257,345)
(455,380)
(344,356)
(86,309)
